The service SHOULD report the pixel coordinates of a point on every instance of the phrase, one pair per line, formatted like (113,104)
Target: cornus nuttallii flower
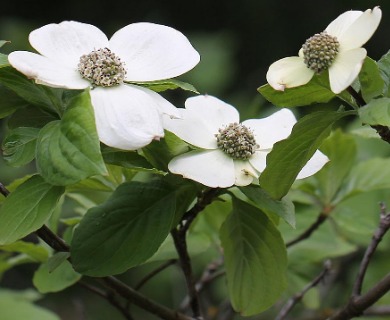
(76,55)
(229,152)
(337,49)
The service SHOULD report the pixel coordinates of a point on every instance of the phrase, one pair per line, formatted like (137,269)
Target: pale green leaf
(371,81)
(27,208)
(36,252)
(170,84)
(376,112)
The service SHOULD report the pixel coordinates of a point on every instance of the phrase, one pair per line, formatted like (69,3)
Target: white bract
(76,55)
(230,153)
(337,49)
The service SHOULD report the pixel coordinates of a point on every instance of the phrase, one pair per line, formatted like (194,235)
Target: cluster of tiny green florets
(237,141)
(102,67)
(319,51)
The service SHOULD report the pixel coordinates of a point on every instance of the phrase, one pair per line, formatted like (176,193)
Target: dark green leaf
(46,280)
(68,150)
(27,208)
(126,230)
(289,156)
(126,159)
(170,84)
(25,88)
(341,151)
(376,112)
(255,259)
(317,90)
(371,81)
(30,117)
(283,208)
(9,102)
(19,146)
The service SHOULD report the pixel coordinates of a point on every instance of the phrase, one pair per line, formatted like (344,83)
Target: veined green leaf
(68,150)
(384,69)
(126,230)
(371,81)
(19,146)
(289,156)
(27,208)
(376,112)
(255,259)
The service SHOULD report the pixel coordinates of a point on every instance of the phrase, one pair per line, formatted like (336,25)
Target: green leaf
(25,88)
(341,151)
(366,176)
(125,159)
(19,146)
(163,85)
(371,81)
(317,90)
(27,208)
(376,112)
(384,69)
(30,116)
(9,102)
(159,153)
(47,280)
(37,252)
(255,259)
(68,150)
(289,156)
(124,231)
(283,208)
(3,60)
(16,308)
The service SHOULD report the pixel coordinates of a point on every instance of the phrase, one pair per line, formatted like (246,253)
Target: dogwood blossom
(337,49)
(229,152)
(76,55)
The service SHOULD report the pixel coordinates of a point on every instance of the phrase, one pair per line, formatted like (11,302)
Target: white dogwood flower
(337,49)
(229,152)
(74,55)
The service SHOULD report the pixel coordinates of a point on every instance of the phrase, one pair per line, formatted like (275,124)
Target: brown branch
(378,311)
(358,303)
(384,225)
(323,216)
(298,296)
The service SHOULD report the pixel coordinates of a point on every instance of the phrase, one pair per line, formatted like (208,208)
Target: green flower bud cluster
(237,141)
(102,68)
(319,51)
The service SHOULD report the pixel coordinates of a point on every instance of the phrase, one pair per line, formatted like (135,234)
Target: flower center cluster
(237,141)
(102,67)
(319,51)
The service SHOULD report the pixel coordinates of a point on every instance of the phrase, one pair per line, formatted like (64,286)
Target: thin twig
(3,190)
(323,216)
(154,273)
(179,239)
(384,225)
(377,311)
(209,274)
(108,297)
(298,296)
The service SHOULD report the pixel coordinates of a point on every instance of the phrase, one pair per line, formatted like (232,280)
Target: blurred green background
(237,41)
